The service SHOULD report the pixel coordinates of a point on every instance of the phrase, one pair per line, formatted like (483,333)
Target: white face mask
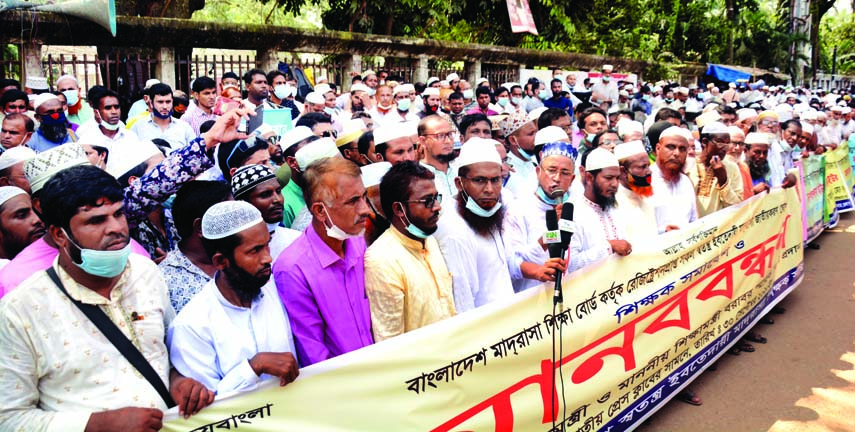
(280,91)
(111,127)
(337,233)
(468,94)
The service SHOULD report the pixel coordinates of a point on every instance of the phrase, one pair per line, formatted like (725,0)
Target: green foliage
(838,30)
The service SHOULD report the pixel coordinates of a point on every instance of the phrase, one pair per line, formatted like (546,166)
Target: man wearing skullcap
(601,227)
(635,194)
(525,223)
(605,91)
(406,277)
(735,155)
(519,134)
(470,231)
(257,185)
(12,167)
(717,181)
(53,126)
(757,145)
(321,277)
(404,110)
(19,224)
(234,333)
(676,198)
(321,149)
(50,362)
(780,150)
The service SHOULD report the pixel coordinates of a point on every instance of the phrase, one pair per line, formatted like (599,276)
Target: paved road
(803,379)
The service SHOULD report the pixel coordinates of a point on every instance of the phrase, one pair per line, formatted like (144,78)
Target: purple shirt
(34,258)
(325,297)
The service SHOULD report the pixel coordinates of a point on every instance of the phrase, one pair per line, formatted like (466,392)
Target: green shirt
(294,202)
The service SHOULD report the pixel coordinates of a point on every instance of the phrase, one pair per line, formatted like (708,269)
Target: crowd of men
(179,254)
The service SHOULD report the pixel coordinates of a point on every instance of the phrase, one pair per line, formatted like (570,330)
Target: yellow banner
(632,332)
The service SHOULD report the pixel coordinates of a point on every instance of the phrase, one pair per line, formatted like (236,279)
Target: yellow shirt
(408,284)
(713,197)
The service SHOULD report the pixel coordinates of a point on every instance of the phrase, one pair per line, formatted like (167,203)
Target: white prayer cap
(629,149)
(714,128)
(707,118)
(315,98)
(322,79)
(735,131)
(626,127)
(16,155)
(623,93)
(608,67)
(784,111)
(431,80)
(452,77)
(388,132)
(360,87)
(731,85)
(807,127)
(372,174)
(657,89)
(120,162)
(478,150)
(45,164)
(614,110)
(600,158)
(481,80)
(323,89)
(264,131)
(847,110)
(42,98)
(400,89)
(351,130)
(837,109)
(294,136)
(628,87)
(791,95)
(799,109)
(757,138)
(8,192)
(37,83)
(316,150)
(535,113)
(368,73)
(710,86)
(809,115)
(821,116)
(746,113)
(675,131)
(683,90)
(710,107)
(151,82)
(228,218)
(431,91)
(549,134)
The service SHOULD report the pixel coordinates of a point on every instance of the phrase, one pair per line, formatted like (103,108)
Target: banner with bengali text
(838,183)
(812,190)
(633,331)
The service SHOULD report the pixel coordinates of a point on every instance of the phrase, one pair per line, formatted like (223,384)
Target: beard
(758,169)
(643,191)
(481,225)
(446,158)
(245,285)
(602,200)
(56,133)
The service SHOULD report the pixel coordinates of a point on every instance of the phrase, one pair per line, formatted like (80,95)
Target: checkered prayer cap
(42,167)
(228,218)
(246,178)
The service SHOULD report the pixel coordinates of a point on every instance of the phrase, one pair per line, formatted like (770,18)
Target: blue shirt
(40,144)
(560,103)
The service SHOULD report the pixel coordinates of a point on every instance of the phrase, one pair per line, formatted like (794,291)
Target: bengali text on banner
(633,332)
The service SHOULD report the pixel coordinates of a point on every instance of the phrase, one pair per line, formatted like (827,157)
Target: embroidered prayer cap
(9,192)
(37,83)
(629,149)
(600,158)
(373,173)
(246,178)
(323,89)
(626,127)
(535,113)
(550,134)
(359,87)
(228,218)
(132,155)
(767,115)
(478,150)
(16,155)
(316,150)
(368,73)
(315,98)
(758,138)
(42,98)
(294,136)
(352,130)
(735,131)
(560,148)
(513,122)
(45,164)
(714,128)
(746,113)
(430,91)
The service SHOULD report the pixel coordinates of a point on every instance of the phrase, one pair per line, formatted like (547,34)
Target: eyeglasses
(429,201)
(482,181)
(329,134)
(442,136)
(243,146)
(611,142)
(768,122)
(737,143)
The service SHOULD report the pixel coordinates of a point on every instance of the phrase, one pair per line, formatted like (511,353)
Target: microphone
(566,229)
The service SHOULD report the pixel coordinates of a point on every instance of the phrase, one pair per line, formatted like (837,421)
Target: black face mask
(431,109)
(641,181)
